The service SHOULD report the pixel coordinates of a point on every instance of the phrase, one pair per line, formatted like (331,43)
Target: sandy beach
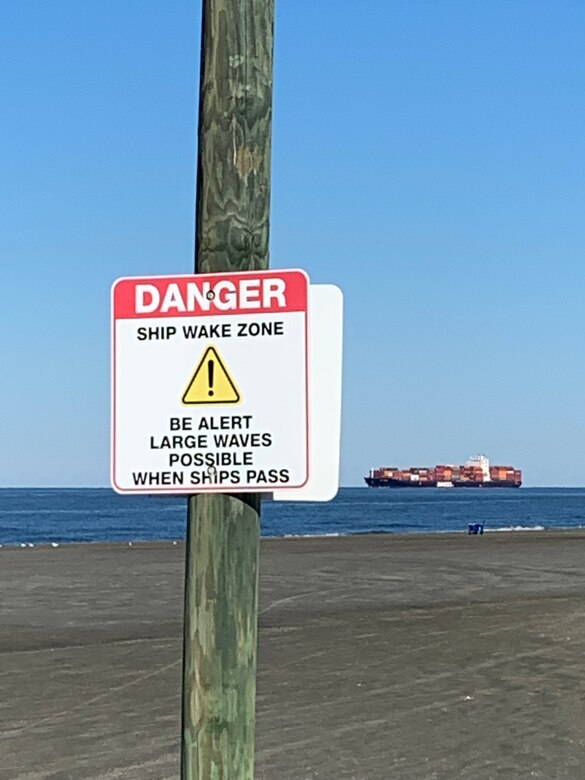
(380,657)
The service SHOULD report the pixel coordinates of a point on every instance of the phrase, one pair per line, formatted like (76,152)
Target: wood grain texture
(220,639)
(232,232)
(235,122)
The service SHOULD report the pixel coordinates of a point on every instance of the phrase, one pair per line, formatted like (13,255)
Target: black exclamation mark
(210,365)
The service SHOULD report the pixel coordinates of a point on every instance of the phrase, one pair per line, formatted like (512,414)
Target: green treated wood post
(232,225)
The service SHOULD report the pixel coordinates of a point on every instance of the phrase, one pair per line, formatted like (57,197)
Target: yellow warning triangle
(211,383)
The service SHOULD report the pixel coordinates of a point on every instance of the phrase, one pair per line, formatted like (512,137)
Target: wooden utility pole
(232,225)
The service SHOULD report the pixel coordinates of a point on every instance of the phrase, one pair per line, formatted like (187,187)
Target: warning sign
(211,383)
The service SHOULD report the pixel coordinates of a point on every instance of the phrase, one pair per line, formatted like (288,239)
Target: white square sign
(325,375)
(210,383)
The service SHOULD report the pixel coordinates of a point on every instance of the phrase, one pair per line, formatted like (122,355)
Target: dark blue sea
(44,516)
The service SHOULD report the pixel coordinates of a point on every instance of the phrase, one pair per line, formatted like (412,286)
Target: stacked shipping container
(475,473)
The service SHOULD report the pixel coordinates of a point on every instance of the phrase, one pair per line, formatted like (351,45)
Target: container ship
(476,472)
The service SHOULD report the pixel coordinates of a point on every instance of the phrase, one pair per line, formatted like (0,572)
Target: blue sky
(428,157)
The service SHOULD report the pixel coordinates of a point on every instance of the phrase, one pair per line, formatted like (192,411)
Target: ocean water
(44,516)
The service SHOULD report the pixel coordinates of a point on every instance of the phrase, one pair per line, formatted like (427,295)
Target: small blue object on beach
(475,528)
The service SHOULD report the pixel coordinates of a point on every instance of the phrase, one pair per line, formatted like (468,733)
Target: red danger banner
(256,292)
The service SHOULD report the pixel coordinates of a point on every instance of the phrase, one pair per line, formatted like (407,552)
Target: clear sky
(428,157)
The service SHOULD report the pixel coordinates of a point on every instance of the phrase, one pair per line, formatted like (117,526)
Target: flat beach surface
(424,657)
